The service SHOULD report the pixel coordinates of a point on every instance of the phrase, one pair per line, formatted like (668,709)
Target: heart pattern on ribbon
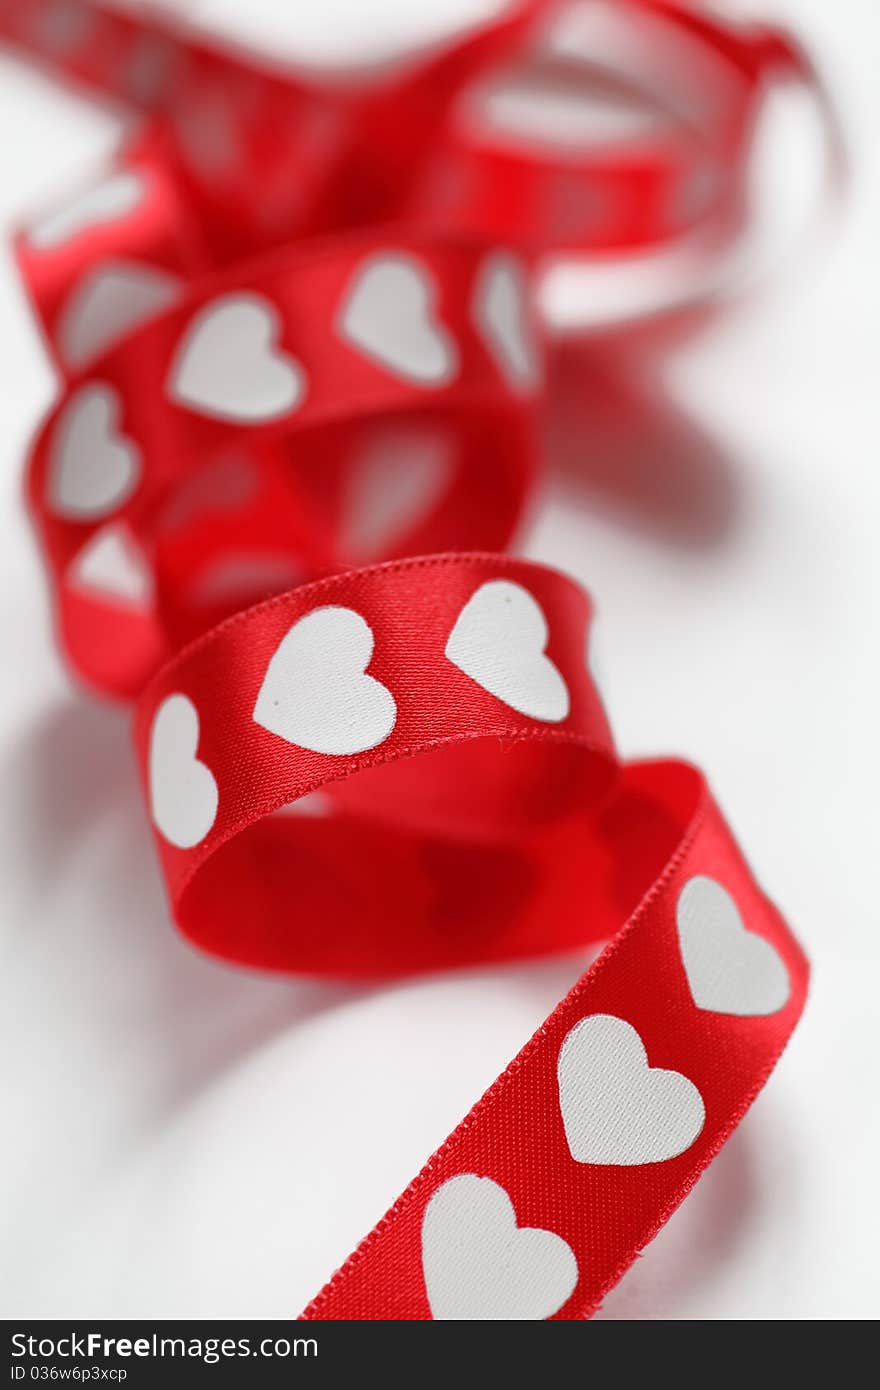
(316,693)
(109,303)
(183,791)
(388,313)
(396,358)
(115,198)
(111,565)
(617,1109)
(499,640)
(400,476)
(479,1264)
(729,969)
(93,467)
(230,366)
(500,316)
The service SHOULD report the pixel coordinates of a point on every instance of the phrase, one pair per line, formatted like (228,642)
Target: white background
(180,1138)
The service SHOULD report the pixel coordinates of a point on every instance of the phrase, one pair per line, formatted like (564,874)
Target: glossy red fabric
(369,769)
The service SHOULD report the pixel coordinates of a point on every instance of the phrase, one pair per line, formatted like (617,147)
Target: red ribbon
(406,766)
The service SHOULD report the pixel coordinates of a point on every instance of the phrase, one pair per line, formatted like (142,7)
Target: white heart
(548,114)
(225,483)
(316,694)
(93,467)
(112,199)
(398,477)
(111,564)
(245,577)
(729,969)
(110,302)
(615,1108)
(151,68)
(61,28)
(208,134)
(183,792)
(387,313)
(312,806)
(499,641)
(480,1266)
(229,365)
(500,316)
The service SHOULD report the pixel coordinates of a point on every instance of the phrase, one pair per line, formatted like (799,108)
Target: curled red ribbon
(389,767)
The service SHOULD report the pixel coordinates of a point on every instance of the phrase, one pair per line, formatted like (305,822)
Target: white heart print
(110,302)
(312,806)
(243,577)
(316,693)
(499,640)
(183,791)
(61,28)
(501,318)
(229,364)
(111,200)
(207,132)
(399,476)
(150,69)
(388,313)
(480,1266)
(616,1109)
(110,564)
(729,969)
(93,466)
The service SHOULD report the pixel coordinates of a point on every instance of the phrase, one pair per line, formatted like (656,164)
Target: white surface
(184,1139)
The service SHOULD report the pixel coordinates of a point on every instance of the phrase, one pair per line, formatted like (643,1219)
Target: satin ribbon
(393,767)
